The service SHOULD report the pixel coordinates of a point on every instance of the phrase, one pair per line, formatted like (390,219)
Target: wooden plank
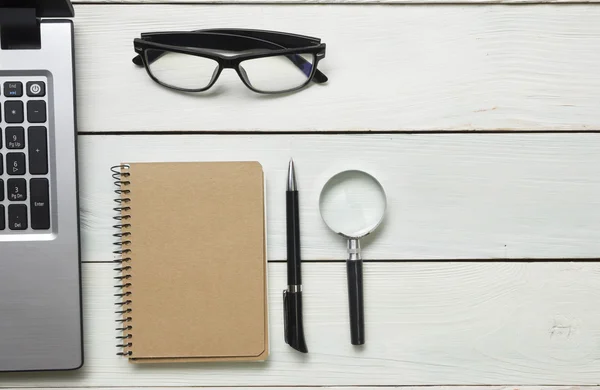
(427,324)
(468,196)
(391,68)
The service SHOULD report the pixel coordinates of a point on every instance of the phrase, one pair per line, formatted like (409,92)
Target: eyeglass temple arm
(280,38)
(298,60)
(306,67)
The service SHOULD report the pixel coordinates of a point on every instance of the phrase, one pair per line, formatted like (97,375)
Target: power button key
(36,89)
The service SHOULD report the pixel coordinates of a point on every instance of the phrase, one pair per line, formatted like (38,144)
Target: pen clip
(292,321)
(285,316)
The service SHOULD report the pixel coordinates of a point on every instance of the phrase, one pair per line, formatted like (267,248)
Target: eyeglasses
(266,61)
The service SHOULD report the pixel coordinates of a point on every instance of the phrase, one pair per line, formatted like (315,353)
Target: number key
(15,137)
(15,163)
(16,189)
(17,217)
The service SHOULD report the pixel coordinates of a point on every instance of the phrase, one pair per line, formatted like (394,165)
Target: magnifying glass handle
(354,266)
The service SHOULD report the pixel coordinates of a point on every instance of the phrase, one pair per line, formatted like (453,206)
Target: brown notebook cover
(193,262)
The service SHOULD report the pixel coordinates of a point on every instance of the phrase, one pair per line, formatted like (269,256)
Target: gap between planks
(325,133)
(333,2)
(357,387)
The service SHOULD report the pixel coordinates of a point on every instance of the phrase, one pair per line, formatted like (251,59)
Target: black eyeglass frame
(256,43)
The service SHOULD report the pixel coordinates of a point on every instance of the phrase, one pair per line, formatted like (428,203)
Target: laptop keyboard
(24,164)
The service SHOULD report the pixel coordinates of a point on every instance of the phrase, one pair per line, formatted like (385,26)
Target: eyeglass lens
(279,73)
(182,71)
(267,74)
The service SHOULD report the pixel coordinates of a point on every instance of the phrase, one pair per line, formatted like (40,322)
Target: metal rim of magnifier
(372,228)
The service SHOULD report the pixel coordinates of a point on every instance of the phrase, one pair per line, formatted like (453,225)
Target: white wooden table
(481,120)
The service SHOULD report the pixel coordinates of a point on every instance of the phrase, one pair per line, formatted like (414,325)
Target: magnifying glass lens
(352,203)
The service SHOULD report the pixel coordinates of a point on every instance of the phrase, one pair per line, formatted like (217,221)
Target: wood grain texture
(390,67)
(426,324)
(493,196)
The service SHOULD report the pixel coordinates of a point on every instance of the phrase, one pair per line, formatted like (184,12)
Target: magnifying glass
(352,204)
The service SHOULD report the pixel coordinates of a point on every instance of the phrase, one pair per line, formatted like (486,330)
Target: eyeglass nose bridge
(228,63)
(235,65)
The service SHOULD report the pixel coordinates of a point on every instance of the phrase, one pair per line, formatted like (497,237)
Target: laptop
(40,282)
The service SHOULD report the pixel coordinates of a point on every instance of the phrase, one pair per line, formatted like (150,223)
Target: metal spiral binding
(122,256)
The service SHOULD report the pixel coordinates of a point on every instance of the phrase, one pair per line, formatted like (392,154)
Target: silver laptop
(40,283)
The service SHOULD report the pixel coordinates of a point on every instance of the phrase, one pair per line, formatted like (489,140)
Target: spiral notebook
(192,262)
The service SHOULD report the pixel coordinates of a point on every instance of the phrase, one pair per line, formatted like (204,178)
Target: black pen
(292,296)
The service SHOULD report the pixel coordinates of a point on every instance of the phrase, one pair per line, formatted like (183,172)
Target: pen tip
(291,184)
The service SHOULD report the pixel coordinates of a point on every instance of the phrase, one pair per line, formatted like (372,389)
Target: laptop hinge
(19,29)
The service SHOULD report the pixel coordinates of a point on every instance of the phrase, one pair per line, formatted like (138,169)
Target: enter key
(40,204)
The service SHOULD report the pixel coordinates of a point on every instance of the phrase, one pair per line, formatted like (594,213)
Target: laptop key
(40,204)
(16,189)
(38,150)
(13,89)
(15,138)
(36,89)
(13,111)
(1,190)
(17,217)
(2,223)
(15,163)
(36,111)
